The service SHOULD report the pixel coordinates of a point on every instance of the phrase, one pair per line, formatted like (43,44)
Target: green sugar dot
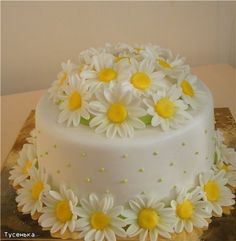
(88,180)
(102,169)
(141,170)
(155,153)
(124,156)
(125,180)
(83,154)
(160,180)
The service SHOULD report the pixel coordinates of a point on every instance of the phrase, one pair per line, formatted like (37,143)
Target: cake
(125,146)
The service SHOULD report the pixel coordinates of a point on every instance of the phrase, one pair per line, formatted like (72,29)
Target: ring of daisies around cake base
(152,162)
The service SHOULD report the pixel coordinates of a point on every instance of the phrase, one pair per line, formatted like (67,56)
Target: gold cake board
(14,222)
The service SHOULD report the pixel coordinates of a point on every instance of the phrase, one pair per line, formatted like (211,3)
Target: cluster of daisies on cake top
(114,91)
(120,88)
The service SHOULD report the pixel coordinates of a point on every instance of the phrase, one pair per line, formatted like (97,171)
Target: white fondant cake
(125,146)
(148,162)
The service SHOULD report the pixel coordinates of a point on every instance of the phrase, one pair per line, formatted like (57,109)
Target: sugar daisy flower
(148,217)
(190,93)
(142,77)
(100,219)
(57,87)
(167,109)
(216,192)
(60,211)
(33,137)
(105,71)
(171,66)
(227,162)
(74,103)
(219,142)
(151,51)
(191,211)
(29,196)
(225,159)
(116,112)
(86,56)
(26,160)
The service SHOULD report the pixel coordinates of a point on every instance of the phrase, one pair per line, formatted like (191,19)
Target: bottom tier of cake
(143,217)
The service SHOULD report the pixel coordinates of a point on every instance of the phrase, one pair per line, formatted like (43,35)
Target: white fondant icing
(123,157)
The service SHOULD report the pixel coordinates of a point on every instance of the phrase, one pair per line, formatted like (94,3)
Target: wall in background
(38,36)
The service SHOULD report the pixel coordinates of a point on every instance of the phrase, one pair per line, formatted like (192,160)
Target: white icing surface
(152,161)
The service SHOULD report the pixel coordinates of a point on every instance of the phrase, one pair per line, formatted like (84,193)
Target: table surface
(220,78)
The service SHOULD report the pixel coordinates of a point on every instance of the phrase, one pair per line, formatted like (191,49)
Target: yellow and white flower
(30,194)
(74,103)
(62,78)
(225,159)
(151,51)
(191,211)
(167,109)
(171,66)
(116,112)
(149,218)
(86,56)
(216,192)
(27,159)
(219,137)
(219,142)
(143,78)
(227,162)
(190,92)
(100,219)
(60,211)
(105,71)
(33,137)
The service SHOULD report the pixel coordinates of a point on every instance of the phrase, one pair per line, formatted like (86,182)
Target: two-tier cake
(125,146)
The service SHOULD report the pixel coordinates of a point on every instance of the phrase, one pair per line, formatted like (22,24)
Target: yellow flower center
(185,210)
(212,191)
(148,218)
(37,189)
(141,81)
(117,113)
(107,74)
(164,64)
(27,166)
(119,58)
(63,212)
(165,108)
(63,77)
(137,50)
(74,101)
(187,88)
(224,167)
(99,220)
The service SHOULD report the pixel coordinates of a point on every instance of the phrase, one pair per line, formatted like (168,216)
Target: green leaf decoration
(146,119)
(84,121)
